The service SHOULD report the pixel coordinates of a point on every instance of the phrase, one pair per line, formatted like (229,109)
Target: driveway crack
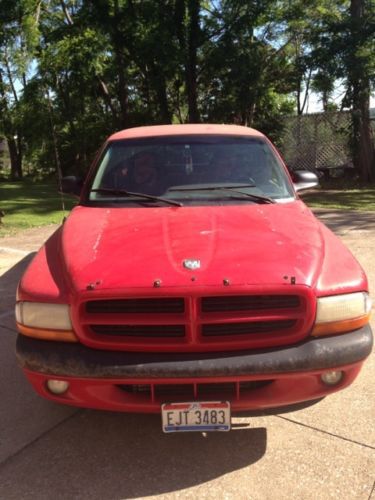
(372,491)
(353,441)
(38,438)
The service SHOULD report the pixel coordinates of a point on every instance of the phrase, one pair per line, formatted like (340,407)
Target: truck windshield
(190,170)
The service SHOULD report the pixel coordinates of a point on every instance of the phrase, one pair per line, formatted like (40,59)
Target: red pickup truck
(191,281)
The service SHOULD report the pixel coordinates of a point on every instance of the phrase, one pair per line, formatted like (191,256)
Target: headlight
(40,315)
(45,321)
(342,313)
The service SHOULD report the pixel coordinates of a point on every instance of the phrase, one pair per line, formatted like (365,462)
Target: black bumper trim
(77,360)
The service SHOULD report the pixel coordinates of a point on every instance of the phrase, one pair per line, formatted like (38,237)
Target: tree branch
(308,81)
(68,17)
(9,74)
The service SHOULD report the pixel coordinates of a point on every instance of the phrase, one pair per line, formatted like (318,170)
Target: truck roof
(185,129)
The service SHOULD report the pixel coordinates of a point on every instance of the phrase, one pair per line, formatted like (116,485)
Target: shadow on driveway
(343,221)
(8,285)
(101,455)
(97,455)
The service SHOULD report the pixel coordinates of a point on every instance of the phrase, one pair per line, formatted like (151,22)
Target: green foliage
(72,71)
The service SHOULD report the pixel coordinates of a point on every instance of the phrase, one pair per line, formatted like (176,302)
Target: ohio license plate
(196,416)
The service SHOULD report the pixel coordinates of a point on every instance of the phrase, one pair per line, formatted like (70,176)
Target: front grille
(246,328)
(136,306)
(249,302)
(197,323)
(140,330)
(192,392)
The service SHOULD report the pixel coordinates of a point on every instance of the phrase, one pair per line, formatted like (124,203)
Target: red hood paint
(246,244)
(124,250)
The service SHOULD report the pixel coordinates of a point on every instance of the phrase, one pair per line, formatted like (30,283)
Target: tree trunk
(161,92)
(122,88)
(159,75)
(298,97)
(15,155)
(363,149)
(121,67)
(191,63)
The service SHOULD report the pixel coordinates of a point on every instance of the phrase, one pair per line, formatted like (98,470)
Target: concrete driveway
(324,451)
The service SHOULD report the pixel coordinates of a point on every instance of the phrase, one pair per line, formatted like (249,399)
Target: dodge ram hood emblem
(192,264)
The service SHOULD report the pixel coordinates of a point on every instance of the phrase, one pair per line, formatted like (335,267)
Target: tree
(246,78)
(344,48)
(18,34)
(72,71)
(72,65)
(360,65)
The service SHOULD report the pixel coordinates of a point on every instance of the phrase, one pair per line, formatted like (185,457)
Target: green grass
(30,204)
(361,199)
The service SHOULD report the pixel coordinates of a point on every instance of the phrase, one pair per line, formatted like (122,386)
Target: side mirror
(303,179)
(71,185)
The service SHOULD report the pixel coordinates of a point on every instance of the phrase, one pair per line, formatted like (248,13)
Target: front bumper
(97,378)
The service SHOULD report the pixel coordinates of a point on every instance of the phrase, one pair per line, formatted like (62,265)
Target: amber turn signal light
(46,334)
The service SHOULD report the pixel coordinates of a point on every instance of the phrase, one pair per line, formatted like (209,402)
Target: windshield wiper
(255,197)
(122,192)
(231,189)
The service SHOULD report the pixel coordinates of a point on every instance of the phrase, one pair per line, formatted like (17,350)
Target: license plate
(196,416)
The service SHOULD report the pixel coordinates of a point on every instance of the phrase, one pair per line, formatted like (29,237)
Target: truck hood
(118,248)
